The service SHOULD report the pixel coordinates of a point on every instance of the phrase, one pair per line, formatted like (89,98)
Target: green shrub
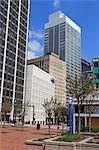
(90,141)
(84,129)
(95,130)
(69,138)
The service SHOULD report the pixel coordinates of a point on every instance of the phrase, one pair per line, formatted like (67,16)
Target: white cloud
(32,55)
(35,46)
(33,33)
(56,3)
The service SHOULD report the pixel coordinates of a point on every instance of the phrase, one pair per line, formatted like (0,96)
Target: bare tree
(63,112)
(22,114)
(48,105)
(24,106)
(6,108)
(56,106)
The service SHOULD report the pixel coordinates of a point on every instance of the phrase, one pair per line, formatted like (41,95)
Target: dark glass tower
(63,37)
(14,18)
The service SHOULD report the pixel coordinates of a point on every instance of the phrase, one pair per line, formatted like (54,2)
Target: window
(97,76)
(96,64)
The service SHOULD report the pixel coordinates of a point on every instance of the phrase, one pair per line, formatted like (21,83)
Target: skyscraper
(14,18)
(63,37)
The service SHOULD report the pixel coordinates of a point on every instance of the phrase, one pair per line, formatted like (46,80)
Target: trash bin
(38,126)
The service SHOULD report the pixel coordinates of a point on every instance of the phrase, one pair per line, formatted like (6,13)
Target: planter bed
(95,140)
(73,138)
(34,142)
(37,141)
(54,144)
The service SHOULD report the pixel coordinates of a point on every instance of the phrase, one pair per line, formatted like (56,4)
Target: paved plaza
(12,138)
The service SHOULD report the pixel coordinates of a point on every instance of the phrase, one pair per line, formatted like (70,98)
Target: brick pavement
(13,138)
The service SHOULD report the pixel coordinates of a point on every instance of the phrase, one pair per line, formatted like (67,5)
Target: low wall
(51,144)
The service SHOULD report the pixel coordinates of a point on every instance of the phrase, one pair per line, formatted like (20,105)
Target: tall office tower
(63,37)
(14,18)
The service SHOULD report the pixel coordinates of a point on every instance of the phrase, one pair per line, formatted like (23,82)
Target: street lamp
(33,113)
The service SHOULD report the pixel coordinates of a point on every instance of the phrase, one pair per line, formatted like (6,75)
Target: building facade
(95,69)
(57,68)
(84,114)
(93,104)
(85,66)
(14,18)
(63,37)
(39,87)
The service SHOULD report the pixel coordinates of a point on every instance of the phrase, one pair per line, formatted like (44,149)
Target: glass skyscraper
(63,37)
(14,18)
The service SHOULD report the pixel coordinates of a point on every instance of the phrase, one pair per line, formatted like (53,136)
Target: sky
(83,12)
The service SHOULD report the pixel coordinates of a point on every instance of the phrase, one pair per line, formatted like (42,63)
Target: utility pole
(70,115)
(33,113)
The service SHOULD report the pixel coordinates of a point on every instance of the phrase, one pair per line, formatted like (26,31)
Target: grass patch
(74,138)
(93,141)
(86,129)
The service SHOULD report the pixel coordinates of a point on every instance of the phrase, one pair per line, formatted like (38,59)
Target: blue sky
(83,12)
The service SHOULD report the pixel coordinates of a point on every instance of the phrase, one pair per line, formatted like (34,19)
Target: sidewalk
(13,138)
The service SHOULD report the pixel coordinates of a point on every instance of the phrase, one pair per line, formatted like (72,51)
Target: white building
(39,87)
(63,37)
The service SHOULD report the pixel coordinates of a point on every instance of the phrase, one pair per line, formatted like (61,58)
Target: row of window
(15,5)
(4,3)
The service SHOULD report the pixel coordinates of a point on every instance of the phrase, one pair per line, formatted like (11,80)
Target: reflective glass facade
(63,37)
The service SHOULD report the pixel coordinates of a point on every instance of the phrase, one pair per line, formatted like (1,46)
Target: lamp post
(33,113)
(70,117)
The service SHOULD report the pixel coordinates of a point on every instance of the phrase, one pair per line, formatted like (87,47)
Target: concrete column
(85,121)
(74,122)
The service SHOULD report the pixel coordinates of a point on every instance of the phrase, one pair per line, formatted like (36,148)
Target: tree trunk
(1,123)
(62,127)
(55,120)
(79,122)
(22,125)
(4,119)
(49,125)
(22,122)
(90,119)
